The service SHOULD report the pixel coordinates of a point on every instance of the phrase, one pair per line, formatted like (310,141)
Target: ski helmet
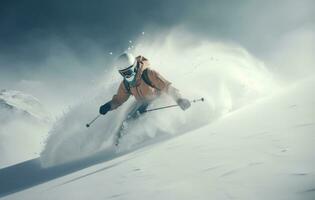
(126,65)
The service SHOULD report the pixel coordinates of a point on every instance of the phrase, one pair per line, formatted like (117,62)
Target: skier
(143,83)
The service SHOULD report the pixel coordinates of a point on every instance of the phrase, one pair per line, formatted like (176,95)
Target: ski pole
(150,110)
(88,124)
(175,105)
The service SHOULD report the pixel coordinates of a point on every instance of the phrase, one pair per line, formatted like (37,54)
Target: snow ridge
(24,126)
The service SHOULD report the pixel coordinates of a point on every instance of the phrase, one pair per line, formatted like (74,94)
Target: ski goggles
(128,72)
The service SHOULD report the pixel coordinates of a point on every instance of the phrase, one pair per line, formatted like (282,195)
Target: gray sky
(27,27)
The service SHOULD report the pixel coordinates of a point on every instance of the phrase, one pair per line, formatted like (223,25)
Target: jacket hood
(143,64)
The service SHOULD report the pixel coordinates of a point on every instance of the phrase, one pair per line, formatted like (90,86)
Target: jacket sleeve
(119,98)
(159,82)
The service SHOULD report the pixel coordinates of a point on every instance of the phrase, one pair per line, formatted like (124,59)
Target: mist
(226,75)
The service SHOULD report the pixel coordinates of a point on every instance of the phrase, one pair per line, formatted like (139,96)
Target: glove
(105,108)
(184,104)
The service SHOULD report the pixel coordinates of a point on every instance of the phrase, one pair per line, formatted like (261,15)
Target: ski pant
(138,109)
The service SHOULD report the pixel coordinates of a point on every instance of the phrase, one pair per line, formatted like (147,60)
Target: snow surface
(262,151)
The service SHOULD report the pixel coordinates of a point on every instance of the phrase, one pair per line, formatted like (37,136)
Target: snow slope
(262,151)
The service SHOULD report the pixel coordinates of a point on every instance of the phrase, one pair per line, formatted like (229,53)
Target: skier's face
(131,78)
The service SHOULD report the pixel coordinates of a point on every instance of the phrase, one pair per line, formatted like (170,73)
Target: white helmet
(126,65)
(124,61)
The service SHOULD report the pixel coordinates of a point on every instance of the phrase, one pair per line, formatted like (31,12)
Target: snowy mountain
(24,125)
(18,102)
(262,151)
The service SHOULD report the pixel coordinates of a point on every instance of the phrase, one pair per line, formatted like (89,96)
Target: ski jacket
(143,91)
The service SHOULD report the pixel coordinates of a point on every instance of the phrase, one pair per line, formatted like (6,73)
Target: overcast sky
(27,26)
